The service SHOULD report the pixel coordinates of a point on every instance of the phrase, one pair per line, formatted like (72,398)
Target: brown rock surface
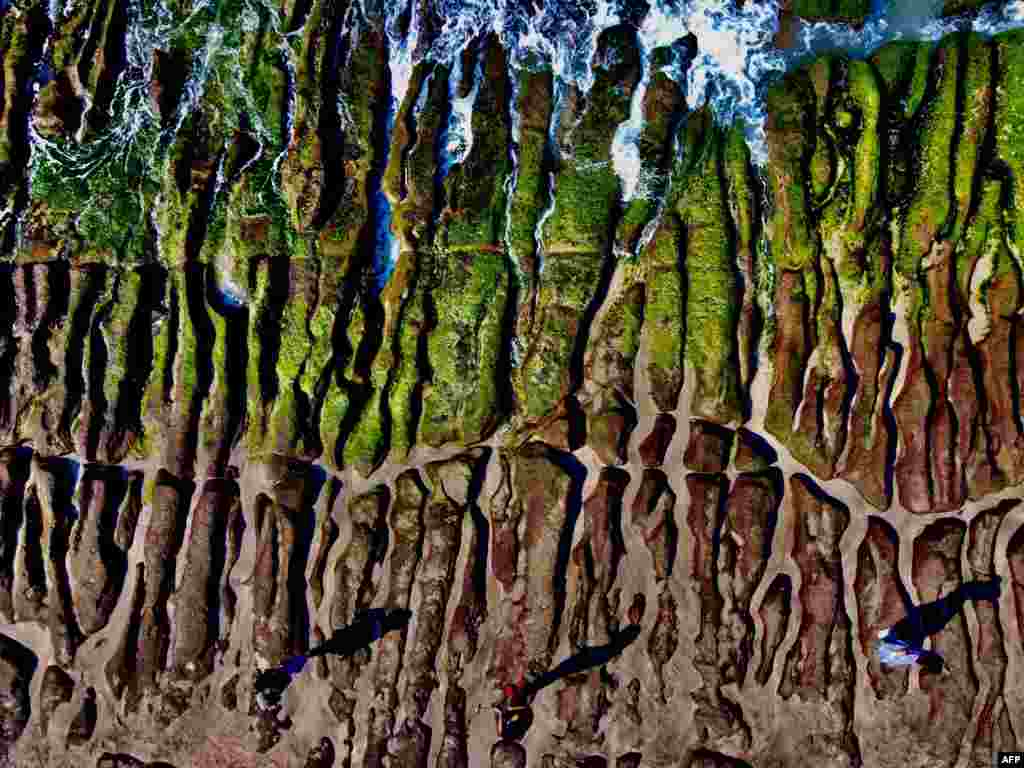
(228,423)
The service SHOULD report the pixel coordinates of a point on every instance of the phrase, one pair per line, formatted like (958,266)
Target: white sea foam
(459,133)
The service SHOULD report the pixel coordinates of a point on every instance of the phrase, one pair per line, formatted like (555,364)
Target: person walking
(902,644)
(514,715)
(369,626)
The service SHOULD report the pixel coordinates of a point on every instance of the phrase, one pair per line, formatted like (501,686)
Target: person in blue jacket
(369,626)
(902,644)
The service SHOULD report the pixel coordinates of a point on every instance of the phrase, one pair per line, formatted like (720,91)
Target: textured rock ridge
(759,409)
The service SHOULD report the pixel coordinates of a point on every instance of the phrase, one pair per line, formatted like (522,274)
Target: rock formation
(288,331)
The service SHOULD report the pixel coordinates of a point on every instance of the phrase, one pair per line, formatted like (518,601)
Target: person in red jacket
(514,715)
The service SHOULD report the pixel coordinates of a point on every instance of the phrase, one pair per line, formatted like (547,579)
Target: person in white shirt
(902,644)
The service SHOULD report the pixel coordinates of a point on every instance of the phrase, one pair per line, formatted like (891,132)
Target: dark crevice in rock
(893,355)
(225,496)
(754,453)
(57,688)
(8,344)
(360,391)
(654,513)
(170,75)
(705,758)
(13,476)
(84,725)
(173,320)
(360,285)
(138,361)
(333,142)
(597,300)
(328,536)
(96,407)
(30,593)
(123,760)
(236,361)
(113,56)
(851,380)
(229,598)
(229,693)
(202,329)
(98,565)
(54,481)
(306,419)
(81,324)
(128,514)
(775,610)
(122,667)
(22,70)
(573,506)
(268,323)
(313,481)
(57,292)
(300,14)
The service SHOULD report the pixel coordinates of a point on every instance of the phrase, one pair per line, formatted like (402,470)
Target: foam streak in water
(400,49)
(657,29)
(510,185)
(552,146)
(459,134)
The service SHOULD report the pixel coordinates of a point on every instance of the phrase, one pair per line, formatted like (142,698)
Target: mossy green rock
(1009,120)
(790,136)
(850,11)
(470,287)
(930,209)
(711,313)
(577,235)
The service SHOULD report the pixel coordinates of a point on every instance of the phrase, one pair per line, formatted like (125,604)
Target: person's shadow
(369,626)
(515,716)
(931,618)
